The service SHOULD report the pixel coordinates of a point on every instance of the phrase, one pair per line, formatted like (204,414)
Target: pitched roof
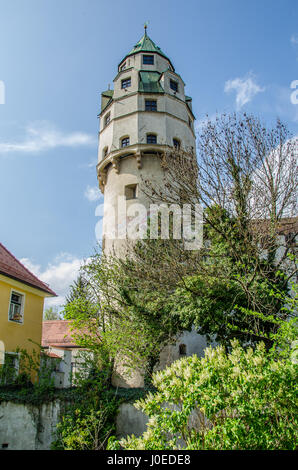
(146,44)
(57,333)
(11,267)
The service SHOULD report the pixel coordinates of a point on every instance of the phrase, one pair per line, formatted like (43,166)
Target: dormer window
(125,142)
(151,139)
(148,59)
(126,82)
(174,85)
(107,119)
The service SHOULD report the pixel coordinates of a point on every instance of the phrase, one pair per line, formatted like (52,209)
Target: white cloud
(92,193)
(246,88)
(59,275)
(42,136)
(294,39)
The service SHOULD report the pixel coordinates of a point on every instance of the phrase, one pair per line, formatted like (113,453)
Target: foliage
(33,380)
(89,419)
(246,399)
(110,309)
(51,313)
(245,179)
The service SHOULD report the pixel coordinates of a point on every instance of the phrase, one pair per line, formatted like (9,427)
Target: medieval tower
(145,114)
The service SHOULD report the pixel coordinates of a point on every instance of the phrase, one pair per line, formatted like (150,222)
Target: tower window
(16,307)
(176,143)
(174,85)
(151,139)
(182,349)
(105,152)
(123,67)
(148,59)
(189,122)
(107,119)
(125,142)
(126,83)
(130,191)
(150,105)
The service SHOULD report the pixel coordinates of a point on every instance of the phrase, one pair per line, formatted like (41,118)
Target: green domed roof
(146,44)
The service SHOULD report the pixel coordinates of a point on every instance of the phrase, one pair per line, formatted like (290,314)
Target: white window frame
(22,306)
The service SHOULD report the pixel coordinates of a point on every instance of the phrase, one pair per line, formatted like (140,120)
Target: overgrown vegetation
(242,400)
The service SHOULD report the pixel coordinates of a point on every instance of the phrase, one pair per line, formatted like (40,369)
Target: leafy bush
(245,399)
(89,419)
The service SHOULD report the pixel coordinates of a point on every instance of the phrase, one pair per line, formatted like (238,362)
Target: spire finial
(145,27)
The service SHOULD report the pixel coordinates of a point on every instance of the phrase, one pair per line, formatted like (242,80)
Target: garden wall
(31,427)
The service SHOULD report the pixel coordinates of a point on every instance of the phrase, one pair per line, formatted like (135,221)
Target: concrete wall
(26,427)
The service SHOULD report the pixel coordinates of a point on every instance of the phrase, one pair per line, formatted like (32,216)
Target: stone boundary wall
(29,427)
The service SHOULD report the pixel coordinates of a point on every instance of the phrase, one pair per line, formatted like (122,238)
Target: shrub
(245,399)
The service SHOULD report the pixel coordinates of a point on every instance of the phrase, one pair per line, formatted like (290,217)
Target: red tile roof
(57,333)
(11,267)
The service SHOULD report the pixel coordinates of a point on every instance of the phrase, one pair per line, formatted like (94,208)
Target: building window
(182,349)
(174,85)
(189,122)
(125,142)
(148,59)
(150,105)
(16,307)
(130,191)
(105,152)
(151,139)
(123,67)
(107,119)
(176,143)
(10,368)
(126,83)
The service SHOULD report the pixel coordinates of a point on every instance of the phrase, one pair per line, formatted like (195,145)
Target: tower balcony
(114,158)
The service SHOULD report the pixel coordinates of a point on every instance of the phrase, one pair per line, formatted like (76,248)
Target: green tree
(51,313)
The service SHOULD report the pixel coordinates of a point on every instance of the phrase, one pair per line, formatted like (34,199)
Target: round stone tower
(147,113)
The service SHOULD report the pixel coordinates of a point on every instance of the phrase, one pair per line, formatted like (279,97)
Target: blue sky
(56,56)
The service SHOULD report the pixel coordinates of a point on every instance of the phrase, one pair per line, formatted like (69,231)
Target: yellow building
(21,305)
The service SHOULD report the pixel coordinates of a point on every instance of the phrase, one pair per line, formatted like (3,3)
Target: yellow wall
(15,334)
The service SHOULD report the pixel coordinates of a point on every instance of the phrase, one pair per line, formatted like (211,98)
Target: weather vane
(146,26)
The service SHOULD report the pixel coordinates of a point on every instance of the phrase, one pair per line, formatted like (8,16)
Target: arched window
(124,142)
(182,349)
(176,143)
(151,139)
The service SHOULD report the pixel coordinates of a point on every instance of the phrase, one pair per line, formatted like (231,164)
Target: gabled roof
(146,44)
(11,267)
(57,333)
